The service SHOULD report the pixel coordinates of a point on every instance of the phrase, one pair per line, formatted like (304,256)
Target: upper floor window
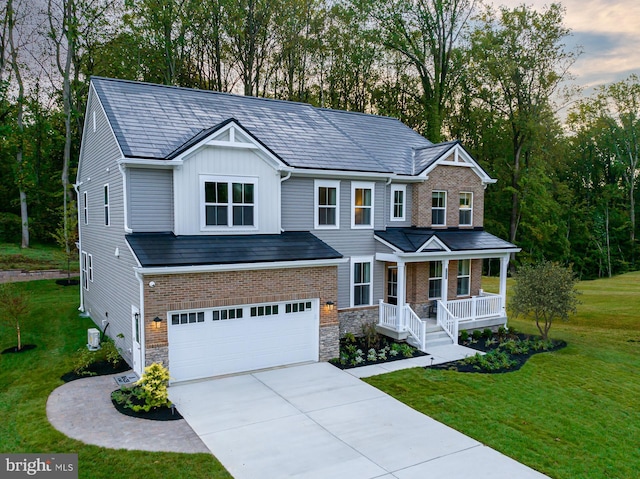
(435,280)
(439,208)
(464,277)
(398,195)
(466,209)
(362,205)
(228,202)
(361,282)
(107,215)
(85,207)
(327,204)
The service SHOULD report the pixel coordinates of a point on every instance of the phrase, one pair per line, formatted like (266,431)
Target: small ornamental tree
(152,388)
(14,307)
(545,291)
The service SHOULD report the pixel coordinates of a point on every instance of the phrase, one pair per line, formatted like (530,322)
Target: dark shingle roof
(410,240)
(426,156)
(155,121)
(166,249)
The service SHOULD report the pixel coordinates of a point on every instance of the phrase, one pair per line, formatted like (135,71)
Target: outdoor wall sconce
(330,305)
(157,322)
(136,316)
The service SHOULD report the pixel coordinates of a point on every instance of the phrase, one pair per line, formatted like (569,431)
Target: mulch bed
(67,282)
(99,368)
(14,349)
(155,414)
(481,345)
(384,341)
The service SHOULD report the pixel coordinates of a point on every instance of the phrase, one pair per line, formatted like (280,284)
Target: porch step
(438,338)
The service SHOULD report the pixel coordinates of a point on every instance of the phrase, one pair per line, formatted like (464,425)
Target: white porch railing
(416,327)
(403,319)
(476,307)
(447,321)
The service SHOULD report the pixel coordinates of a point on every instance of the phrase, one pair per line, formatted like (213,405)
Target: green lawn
(27,379)
(570,414)
(36,257)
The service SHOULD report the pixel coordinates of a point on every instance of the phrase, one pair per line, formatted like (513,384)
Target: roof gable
(450,153)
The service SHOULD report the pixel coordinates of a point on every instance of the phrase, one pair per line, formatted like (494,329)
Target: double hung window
(464,277)
(439,208)
(362,205)
(398,195)
(435,280)
(327,204)
(361,282)
(466,209)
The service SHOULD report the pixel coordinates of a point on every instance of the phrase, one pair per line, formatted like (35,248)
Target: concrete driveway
(316,421)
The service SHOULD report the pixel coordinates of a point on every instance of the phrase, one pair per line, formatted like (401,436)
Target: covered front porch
(434,287)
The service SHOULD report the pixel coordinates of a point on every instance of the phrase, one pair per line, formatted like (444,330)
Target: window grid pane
(362,206)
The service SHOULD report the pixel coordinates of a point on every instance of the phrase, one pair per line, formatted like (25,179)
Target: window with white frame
(85,207)
(107,214)
(466,209)
(439,208)
(362,205)
(464,277)
(435,280)
(398,198)
(327,203)
(361,289)
(86,265)
(228,202)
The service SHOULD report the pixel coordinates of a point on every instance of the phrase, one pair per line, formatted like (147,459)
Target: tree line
(495,78)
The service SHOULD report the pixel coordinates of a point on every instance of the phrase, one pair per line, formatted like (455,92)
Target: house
(222,233)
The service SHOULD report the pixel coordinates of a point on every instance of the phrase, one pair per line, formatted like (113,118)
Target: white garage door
(233,339)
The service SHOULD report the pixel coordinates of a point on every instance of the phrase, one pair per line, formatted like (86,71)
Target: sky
(608,32)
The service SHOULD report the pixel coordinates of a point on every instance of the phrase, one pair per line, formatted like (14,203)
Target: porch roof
(167,249)
(413,240)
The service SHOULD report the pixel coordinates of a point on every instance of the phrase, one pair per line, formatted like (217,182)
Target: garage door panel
(230,346)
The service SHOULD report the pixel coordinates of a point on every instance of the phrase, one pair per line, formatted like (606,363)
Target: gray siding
(150,200)
(407,208)
(298,215)
(114,288)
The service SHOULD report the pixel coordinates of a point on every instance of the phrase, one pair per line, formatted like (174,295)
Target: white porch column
(504,265)
(402,295)
(445,281)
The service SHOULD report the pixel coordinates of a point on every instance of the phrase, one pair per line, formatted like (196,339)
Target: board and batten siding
(221,161)
(298,215)
(114,288)
(150,202)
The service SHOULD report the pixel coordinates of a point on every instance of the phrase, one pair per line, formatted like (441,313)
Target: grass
(569,414)
(27,379)
(37,257)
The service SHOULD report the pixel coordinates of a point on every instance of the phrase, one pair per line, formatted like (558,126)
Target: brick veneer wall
(209,290)
(453,180)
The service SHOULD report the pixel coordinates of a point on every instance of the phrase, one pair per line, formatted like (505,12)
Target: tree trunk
(24,215)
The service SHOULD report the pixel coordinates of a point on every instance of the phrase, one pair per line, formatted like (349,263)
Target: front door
(136,350)
(392,285)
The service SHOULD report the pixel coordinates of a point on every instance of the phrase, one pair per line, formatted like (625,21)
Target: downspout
(282,180)
(125,195)
(143,342)
(76,187)
(387,207)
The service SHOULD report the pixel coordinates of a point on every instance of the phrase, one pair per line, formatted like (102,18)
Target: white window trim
(317,184)
(463,276)
(444,208)
(228,179)
(354,260)
(107,204)
(442,282)
(362,185)
(85,207)
(403,189)
(90,266)
(84,261)
(470,209)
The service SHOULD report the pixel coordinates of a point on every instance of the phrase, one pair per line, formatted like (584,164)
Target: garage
(234,339)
